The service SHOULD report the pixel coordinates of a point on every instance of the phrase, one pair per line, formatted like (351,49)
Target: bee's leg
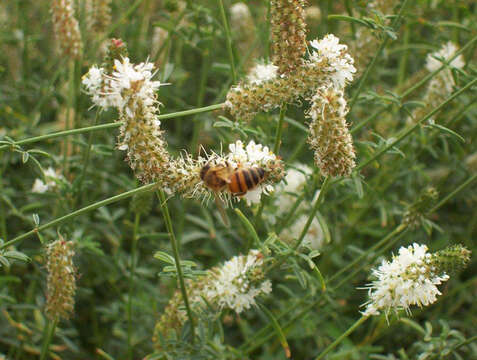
(239,193)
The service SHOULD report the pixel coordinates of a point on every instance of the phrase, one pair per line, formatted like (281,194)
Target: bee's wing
(223,174)
(221,207)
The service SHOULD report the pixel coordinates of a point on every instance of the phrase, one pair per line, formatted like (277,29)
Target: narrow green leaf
(164,257)
(449,131)
(278,330)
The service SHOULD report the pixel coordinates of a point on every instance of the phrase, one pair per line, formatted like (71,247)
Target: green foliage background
(37,87)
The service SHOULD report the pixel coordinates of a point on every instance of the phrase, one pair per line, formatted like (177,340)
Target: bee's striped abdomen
(244,180)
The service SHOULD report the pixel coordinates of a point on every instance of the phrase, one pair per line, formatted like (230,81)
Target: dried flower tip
(66,28)
(52,180)
(288,33)
(411,278)
(61,279)
(98,15)
(329,135)
(117,50)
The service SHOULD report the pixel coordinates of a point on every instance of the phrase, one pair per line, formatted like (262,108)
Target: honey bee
(236,181)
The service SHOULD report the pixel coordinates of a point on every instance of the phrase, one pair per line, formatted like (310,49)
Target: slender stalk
(408,131)
(49,332)
(342,337)
(131,282)
(363,79)
(228,38)
(364,255)
(87,154)
(251,230)
(79,212)
(69,114)
(108,126)
(453,193)
(324,188)
(177,260)
(278,133)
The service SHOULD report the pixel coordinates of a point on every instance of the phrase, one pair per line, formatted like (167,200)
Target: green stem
(278,133)
(108,126)
(453,193)
(69,113)
(253,233)
(228,37)
(342,337)
(324,188)
(413,127)
(378,54)
(87,155)
(49,332)
(79,212)
(131,283)
(175,249)
(364,255)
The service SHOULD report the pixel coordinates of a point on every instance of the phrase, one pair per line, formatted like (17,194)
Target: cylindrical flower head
(411,278)
(440,87)
(140,133)
(98,15)
(237,283)
(288,33)
(61,279)
(243,30)
(66,28)
(188,175)
(234,285)
(329,136)
(329,63)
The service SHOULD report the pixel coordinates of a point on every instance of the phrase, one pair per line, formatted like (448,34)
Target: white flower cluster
(128,85)
(340,63)
(285,196)
(409,279)
(445,53)
(261,73)
(53,179)
(237,283)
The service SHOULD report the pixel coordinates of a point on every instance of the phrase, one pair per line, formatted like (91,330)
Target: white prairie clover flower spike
(329,136)
(238,283)
(66,28)
(98,15)
(52,178)
(288,28)
(411,278)
(328,64)
(440,87)
(186,177)
(446,52)
(61,279)
(235,285)
(140,134)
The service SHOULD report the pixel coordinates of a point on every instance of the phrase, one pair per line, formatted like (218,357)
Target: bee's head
(204,170)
